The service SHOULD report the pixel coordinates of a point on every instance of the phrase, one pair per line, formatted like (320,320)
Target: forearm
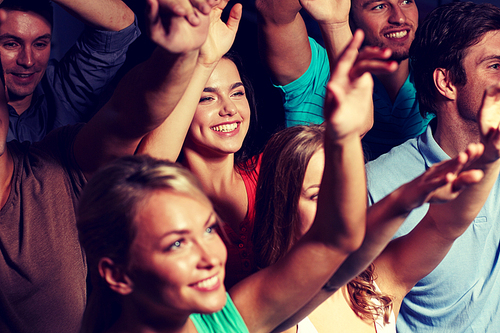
(283,40)
(166,141)
(111,15)
(336,36)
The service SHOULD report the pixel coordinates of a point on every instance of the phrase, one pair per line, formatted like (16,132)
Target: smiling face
(482,69)
(308,200)
(222,118)
(177,258)
(25,51)
(387,23)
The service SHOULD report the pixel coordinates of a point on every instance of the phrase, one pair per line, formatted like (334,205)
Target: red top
(240,257)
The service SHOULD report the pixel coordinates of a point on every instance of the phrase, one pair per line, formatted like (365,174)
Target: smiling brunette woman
(206,133)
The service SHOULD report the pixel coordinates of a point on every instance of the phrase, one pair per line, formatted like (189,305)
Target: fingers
(467,178)
(152,12)
(374,60)
(235,17)
(489,114)
(185,8)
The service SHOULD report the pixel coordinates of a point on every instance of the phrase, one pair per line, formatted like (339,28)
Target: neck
(454,133)
(394,81)
(6,172)
(22,104)
(212,171)
(136,320)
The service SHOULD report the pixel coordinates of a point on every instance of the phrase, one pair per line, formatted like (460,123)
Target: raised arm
(166,141)
(415,255)
(332,17)
(283,39)
(147,94)
(110,15)
(271,295)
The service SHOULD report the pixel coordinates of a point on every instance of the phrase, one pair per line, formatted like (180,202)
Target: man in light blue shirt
(456,53)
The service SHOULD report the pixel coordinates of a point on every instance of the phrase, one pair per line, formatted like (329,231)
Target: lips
(209,284)
(23,75)
(225,128)
(398,34)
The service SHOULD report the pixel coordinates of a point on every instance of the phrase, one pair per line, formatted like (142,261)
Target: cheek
(307,212)
(42,57)
(7,57)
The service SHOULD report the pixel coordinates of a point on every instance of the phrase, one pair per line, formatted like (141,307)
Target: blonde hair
(105,221)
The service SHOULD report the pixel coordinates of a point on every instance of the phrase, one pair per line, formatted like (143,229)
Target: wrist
(334,25)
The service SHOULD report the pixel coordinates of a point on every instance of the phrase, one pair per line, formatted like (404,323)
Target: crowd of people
(146,205)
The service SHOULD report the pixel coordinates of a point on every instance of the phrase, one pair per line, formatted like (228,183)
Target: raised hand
(489,120)
(220,35)
(348,100)
(443,181)
(176,33)
(187,8)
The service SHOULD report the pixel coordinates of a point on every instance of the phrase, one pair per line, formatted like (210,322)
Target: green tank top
(227,320)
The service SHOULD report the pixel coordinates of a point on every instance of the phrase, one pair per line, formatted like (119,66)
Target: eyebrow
(233,86)
(488,58)
(312,186)
(369,3)
(186,231)
(19,39)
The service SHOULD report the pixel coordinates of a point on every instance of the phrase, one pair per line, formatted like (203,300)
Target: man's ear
(443,83)
(115,276)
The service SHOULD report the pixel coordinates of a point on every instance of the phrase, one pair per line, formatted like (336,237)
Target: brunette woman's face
(177,257)
(222,118)
(310,188)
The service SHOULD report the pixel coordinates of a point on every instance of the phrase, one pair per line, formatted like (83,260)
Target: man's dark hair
(442,41)
(41,7)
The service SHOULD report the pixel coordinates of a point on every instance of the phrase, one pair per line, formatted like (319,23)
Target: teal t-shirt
(394,123)
(226,320)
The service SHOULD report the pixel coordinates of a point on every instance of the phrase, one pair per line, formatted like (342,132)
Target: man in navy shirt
(44,94)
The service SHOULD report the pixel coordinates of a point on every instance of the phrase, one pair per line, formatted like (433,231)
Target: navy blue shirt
(69,91)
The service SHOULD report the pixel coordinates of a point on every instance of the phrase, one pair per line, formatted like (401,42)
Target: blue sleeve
(85,71)
(304,97)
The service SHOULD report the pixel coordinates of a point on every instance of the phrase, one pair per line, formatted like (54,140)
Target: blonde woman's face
(177,257)
(310,188)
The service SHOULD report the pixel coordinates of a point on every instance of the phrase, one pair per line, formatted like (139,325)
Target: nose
(228,108)
(397,16)
(208,257)
(25,57)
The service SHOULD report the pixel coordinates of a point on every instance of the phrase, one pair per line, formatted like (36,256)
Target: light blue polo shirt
(303,101)
(463,293)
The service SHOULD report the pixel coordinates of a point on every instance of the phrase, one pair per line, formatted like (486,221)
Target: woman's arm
(270,296)
(147,94)
(166,141)
(443,181)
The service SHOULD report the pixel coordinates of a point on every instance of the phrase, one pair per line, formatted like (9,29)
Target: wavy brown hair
(277,222)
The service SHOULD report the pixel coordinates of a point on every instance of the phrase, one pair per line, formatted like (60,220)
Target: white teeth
(208,283)
(23,75)
(399,34)
(225,128)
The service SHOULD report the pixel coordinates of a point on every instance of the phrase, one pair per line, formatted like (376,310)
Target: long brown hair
(277,222)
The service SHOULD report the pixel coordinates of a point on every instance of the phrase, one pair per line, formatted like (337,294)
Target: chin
(214,305)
